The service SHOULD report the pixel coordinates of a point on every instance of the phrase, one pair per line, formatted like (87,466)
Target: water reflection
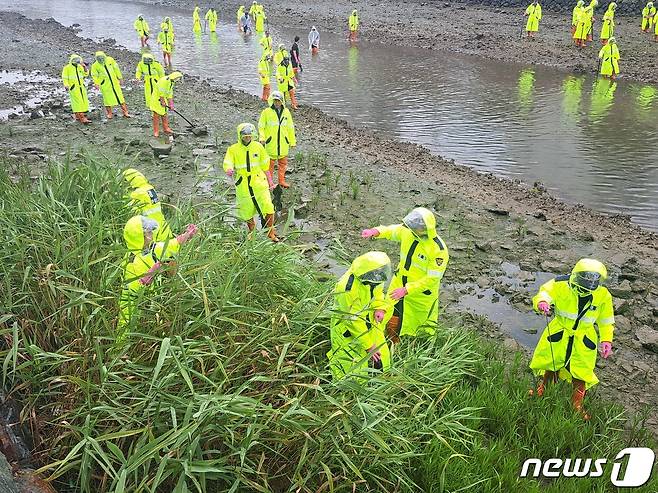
(532,124)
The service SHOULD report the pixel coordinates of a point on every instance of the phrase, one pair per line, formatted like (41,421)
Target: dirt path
(491,32)
(346,179)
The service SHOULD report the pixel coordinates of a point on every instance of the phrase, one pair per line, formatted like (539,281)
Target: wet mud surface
(469,28)
(505,238)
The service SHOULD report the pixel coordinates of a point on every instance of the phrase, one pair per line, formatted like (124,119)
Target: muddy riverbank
(464,27)
(345,179)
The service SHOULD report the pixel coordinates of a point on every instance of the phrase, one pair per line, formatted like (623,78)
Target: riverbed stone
(648,337)
(7,484)
(622,290)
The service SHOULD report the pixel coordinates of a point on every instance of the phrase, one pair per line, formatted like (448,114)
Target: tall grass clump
(222,383)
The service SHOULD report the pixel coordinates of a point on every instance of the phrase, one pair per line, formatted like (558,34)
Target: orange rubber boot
(293,100)
(266,93)
(271,233)
(393,329)
(124,109)
(283,166)
(165,125)
(272,162)
(156,125)
(83,118)
(577,398)
(108,112)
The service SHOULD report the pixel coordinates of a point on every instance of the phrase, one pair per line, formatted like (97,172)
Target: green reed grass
(223,383)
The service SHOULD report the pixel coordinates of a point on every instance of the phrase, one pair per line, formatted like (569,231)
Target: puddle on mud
(34,88)
(496,301)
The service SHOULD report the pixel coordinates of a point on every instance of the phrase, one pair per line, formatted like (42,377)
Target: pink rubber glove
(399,293)
(147,278)
(171,104)
(544,307)
(376,356)
(190,231)
(605,349)
(230,172)
(369,233)
(270,181)
(379,315)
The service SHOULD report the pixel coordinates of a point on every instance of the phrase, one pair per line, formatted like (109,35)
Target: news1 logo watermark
(638,462)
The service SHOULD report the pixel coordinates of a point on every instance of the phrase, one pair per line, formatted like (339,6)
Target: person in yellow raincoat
(276,131)
(253,9)
(248,164)
(585,24)
(265,43)
(415,287)
(196,20)
(575,15)
(648,16)
(358,344)
(239,15)
(259,20)
(211,19)
(163,101)
(533,13)
(143,200)
(567,347)
(353,25)
(609,56)
(145,258)
(108,78)
(142,28)
(280,54)
(285,79)
(152,71)
(608,26)
(655,28)
(166,41)
(264,69)
(73,78)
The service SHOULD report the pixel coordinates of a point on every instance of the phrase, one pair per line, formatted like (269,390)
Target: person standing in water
(294,56)
(313,41)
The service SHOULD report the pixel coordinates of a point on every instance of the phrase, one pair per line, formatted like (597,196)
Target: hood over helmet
(372,268)
(246,129)
(75,57)
(133,232)
(586,276)
(421,222)
(134,178)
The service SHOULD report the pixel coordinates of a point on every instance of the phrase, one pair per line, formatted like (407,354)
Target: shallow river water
(587,140)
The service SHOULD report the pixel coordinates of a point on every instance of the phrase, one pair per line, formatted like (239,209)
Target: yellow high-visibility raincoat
(252,192)
(166,40)
(277,130)
(260,19)
(608,26)
(571,333)
(196,19)
(353,21)
(648,16)
(73,78)
(266,45)
(152,72)
(211,18)
(534,16)
(354,330)
(167,22)
(264,71)
(285,78)
(577,10)
(423,261)
(164,88)
(107,76)
(584,27)
(609,55)
(142,27)
(144,201)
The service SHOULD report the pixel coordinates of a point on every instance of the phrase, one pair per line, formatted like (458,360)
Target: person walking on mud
(534,14)
(142,28)
(585,25)
(266,44)
(353,25)
(163,101)
(166,42)
(276,131)
(648,15)
(108,80)
(609,59)
(313,41)
(285,78)
(608,25)
(294,56)
(245,23)
(196,20)
(74,76)
(211,19)
(239,15)
(264,69)
(567,348)
(575,15)
(248,164)
(152,71)
(415,286)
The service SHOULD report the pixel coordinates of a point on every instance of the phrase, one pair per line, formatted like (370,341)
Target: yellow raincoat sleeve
(228,160)
(96,74)
(116,69)
(392,232)
(264,163)
(435,272)
(606,320)
(545,294)
(262,125)
(292,140)
(138,72)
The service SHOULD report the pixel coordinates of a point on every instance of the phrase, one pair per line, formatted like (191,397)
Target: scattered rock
(484,246)
(553,266)
(511,344)
(623,290)
(203,152)
(36,114)
(648,337)
(160,149)
(498,212)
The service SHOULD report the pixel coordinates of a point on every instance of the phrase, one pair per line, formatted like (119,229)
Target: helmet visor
(247,130)
(415,222)
(586,282)
(377,276)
